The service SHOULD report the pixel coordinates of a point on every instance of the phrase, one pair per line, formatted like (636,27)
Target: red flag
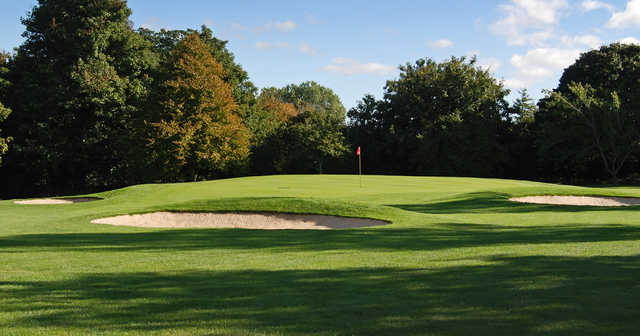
(358,151)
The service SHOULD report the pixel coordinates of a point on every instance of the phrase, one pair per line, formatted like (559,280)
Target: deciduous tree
(79,80)
(4,111)
(445,119)
(587,126)
(199,133)
(314,135)
(608,128)
(244,91)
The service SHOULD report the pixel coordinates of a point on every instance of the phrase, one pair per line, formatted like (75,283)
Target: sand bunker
(44,201)
(260,221)
(579,200)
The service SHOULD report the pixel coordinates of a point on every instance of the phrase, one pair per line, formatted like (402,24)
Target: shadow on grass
(433,237)
(489,202)
(535,295)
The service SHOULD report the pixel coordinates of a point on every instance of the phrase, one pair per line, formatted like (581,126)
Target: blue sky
(353,47)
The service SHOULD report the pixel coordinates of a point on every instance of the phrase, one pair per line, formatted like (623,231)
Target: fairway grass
(458,258)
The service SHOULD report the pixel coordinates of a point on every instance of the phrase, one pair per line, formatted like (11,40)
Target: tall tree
(4,112)
(610,130)
(244,91)
(80,78)
(523,110)
(314,136)
(199,133)
(587,125)
(445,119)
(366,130)
(519,140)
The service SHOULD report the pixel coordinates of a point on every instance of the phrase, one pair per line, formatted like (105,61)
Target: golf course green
(459,258)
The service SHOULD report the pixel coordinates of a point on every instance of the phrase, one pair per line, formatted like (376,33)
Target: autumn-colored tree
(269,113)
(312,135)
(199,133)
(4,112)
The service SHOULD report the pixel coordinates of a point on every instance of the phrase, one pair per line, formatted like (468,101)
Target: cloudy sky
(354,46)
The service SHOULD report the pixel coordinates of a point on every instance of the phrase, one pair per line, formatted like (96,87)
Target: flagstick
(360,167)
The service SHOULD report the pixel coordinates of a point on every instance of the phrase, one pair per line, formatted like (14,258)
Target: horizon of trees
(87,103)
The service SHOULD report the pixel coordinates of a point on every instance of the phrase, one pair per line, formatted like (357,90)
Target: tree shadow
(430,238)
(533,295)
(491,202)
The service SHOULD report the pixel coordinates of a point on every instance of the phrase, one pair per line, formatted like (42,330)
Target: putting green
(458,258)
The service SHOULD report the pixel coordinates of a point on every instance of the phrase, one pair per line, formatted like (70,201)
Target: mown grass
(459,258)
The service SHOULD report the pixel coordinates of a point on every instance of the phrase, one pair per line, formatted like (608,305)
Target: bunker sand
(47,201)
(579,200)
(257,221)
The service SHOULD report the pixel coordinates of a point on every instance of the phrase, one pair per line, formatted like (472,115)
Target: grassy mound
(458,258)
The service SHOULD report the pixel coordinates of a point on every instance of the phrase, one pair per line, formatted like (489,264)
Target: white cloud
(472,53)
(491,64)
(542,63)
(441,44)
(630,40)
(515,84)
(308,49)
(347,66)
(271,45)
(152,23)
(283,26)
(627,18)
(529,22)
(312,20)
(591,41)
(237,26)
(591,5)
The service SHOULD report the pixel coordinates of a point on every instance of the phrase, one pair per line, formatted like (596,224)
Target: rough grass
(459,259)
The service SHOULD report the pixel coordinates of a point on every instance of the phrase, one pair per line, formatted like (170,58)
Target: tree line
(89,103)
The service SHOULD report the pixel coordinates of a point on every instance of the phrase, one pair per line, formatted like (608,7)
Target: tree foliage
(523,110)
(607,127)
(199,133)
(366,129)
(438,118)
(593,116)
(4,111)
(164,41)
(519,139)
(312,131)
(79,79)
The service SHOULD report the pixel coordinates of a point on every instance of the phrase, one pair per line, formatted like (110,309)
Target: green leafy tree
(445,119)
(268,115)
(609,130)
(365,129)
(199,134)
(519,141)
(523,110)
(79,81)
(313,135)
(4,142)
(586,126)
(4,111)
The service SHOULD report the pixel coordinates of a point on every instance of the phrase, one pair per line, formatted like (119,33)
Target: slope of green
(459,258)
